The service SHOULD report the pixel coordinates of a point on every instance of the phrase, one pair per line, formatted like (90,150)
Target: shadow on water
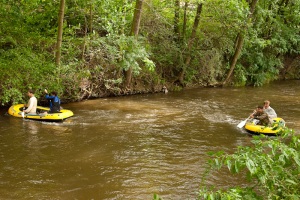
(132,147)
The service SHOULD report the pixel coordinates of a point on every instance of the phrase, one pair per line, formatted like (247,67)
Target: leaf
(296,158)
(229,164)
(291,181)
(251,166)
(236,166)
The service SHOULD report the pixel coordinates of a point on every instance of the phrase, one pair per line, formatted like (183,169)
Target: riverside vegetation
(88,48)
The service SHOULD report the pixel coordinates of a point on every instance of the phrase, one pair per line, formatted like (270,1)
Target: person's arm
(30,106)
(262,116)
(272,113)
(255,114)
(49,97)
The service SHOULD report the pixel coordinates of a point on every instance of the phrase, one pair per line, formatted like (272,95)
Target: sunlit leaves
(149,64)
(115,16)
(131,52)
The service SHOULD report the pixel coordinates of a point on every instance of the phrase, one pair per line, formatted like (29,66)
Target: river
(131,147)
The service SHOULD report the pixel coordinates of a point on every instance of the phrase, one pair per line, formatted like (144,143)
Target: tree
(134,31)
(60,32)
(176,20)
(190,43)
(239,44)
(184,19)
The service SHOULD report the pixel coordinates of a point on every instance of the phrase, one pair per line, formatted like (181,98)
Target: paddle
(242,123)
(23,113)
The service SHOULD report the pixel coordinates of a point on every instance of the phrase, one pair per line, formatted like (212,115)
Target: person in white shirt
(270,111)
(32,103)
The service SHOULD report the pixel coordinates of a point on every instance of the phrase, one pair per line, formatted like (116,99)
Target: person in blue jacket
(54,101)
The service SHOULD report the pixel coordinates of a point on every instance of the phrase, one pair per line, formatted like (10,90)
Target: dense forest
(88,48)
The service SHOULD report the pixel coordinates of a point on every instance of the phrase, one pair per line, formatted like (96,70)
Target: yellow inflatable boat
(41,115)
(277,125)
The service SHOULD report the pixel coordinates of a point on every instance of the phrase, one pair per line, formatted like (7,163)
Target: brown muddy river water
(134,146)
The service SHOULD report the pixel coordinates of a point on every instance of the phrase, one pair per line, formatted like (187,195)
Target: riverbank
(89,91)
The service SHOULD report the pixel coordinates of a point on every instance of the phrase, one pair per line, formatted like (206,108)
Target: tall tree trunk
(184,19)
(59,32)
(239,45)
(176,20)
(134,31)
(137,17)
(190,43)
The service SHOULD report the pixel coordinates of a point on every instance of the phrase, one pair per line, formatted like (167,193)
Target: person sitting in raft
(31,105)
(54,101)
(262,116)
(270,111)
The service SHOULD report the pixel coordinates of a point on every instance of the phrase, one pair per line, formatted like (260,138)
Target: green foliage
(272,166)
(209,67)
(156,197)
(156,25)
(128,52)
(273,35)
(240,76)
(28,37)
(115,16)
(21,70)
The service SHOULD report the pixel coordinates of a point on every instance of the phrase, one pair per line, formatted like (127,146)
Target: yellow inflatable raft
(277,125)
(16,111)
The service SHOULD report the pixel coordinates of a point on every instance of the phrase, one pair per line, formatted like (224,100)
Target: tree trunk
(60,32)
(238,49)
(134,31)
(176,20)
(239,45)
(184,20)
(137,17)
(190,43)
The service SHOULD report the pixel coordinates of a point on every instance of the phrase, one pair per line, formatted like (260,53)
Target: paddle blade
(242,124)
